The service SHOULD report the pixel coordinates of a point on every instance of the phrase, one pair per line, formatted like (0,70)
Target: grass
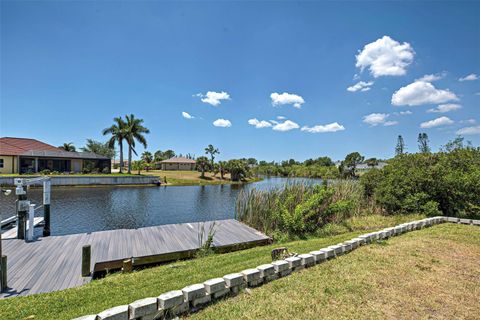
(120,289)
(191,178)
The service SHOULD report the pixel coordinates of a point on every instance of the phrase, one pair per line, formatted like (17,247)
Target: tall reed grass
(299,208)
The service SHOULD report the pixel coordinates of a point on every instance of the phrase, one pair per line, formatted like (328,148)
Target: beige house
(178,163)
(21,155)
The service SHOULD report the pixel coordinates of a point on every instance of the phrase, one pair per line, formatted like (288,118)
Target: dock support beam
(3,273)
(22,207)
(86,258)
(31,215)
(127,266)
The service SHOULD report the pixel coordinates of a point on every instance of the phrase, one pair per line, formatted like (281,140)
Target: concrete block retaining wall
(90,180)
(191,298)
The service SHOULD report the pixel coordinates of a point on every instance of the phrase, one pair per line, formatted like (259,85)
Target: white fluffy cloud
(287,98)
(287,125)
(420,92)
(281,118)
(385,57)
(405,113)
(375,119)
(442,121)
(187,115)
(259,124)
(470,77)
(444,108)
(331,127)
(432,77)
(469,130)
(362,86)
(213,98)
(222,123)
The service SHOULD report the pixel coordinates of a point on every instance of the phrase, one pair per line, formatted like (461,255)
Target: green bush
(445,183)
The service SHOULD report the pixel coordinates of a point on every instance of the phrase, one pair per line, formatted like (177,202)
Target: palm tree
(203,164)
(118,132)
(68,146)
(134,132)
(147,157)
(212,151)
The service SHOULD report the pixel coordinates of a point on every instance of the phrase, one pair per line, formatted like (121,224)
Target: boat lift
(24,208)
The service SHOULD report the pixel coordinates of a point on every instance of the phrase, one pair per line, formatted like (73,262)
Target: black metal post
(86,258)
(21,217)
(46,208)
(3,273)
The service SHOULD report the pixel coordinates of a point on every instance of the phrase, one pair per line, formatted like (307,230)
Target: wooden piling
(127,265)
(86,259)
(3,273)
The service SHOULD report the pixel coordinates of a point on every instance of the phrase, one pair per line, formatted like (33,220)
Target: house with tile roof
(23,155)
(178,163)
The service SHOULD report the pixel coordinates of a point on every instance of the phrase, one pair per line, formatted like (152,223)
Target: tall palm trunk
(129,158)
(121,156)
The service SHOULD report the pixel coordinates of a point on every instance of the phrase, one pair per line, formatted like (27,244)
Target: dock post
(22,207)
(86,258)
(46,208)
(127,265)
(31,214)
(3,273)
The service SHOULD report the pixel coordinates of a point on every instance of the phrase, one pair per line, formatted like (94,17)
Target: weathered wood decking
(54,263)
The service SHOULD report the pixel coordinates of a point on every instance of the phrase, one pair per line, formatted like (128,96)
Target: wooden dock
(54,263)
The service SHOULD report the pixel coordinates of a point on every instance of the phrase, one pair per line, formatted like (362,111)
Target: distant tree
(349,165)
(134,131)
(238,169)
(118,134)
(455,144)
(222,168)
(68,146)
(400,148)
(147,157)
(100,148)
(423,143)
(212,151)
(372,162)
(252,161)
(138,165)
(203,164)
(158,156)
(169,154)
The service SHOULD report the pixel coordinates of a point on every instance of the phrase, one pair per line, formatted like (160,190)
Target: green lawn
(125,288)
(433,273)
(191,178)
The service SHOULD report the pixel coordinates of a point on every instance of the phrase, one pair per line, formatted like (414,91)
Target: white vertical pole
(31,214)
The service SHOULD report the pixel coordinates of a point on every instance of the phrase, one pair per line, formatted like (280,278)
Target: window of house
(1,163)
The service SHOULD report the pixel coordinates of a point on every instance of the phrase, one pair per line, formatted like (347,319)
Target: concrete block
(465,221)
(180,309)
(271,277)
(221,293)
(397,230)
(307,260)
(294,262)
(329,252)
(250,275)
(353,243)
(194,291)
(476,222)
(202,300)
(170,299)
(266,270)
(319,256)
(115,313)
(284,273)
(337,249)
(89,317)
(153,316)
(142,307)
(233,279)
(347,247)
(215,285)
(280,265)
(360,241)
(452,219)
(235,290)
(255,283)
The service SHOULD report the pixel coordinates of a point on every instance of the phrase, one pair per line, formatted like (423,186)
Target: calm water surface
(76,210)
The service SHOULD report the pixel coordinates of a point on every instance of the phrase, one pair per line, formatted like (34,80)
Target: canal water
(88,209)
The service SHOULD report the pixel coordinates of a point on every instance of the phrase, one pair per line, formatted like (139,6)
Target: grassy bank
(192,178)
(122,289)
(432,273)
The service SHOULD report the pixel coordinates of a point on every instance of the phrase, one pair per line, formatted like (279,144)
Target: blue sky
(67,68)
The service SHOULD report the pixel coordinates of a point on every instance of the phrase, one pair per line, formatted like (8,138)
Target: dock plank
(54,263)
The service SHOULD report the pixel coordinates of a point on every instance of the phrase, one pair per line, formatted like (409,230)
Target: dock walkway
(54,263)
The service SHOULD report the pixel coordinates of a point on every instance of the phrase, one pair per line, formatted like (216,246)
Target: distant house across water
(21,155)
(178,163)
